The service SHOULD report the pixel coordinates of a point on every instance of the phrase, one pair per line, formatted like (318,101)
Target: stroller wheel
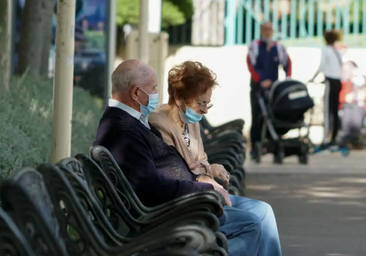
(258,152)
(279,156)
(304,158)
(304,155)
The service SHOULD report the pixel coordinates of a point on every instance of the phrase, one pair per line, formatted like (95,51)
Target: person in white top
(331,66)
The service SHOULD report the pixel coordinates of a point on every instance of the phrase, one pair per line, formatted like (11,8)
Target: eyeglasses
(204,105)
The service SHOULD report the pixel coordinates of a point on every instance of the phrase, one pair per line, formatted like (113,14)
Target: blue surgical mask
(190,117)
(152,104)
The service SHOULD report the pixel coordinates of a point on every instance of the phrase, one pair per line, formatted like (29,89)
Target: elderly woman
(190,87)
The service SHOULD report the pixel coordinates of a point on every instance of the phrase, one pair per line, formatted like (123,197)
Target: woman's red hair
(189,80)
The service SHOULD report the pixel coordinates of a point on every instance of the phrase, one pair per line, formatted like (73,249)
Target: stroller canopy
(289,98)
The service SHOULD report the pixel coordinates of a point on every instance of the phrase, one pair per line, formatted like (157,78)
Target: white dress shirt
(331,62)
(138,115)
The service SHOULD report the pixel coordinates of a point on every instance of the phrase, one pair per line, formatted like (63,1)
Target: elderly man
(158,173)
(264,57)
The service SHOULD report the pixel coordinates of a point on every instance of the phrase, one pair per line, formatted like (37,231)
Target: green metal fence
(296,22)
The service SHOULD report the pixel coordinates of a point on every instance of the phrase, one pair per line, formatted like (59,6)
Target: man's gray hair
(265,22)
(124,78)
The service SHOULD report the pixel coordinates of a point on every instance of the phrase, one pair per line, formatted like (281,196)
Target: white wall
(231,98)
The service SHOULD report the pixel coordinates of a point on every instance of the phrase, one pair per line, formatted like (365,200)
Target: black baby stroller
(283,107)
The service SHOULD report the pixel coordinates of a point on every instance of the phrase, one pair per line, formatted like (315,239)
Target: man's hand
(266,83)
(219,171)
(225,194)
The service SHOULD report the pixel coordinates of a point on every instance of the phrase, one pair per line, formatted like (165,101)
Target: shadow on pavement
(318,214)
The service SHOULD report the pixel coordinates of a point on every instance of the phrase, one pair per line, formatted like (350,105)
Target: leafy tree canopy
(174,12)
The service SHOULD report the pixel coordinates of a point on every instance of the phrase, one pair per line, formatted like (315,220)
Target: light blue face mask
(190,117)
(152,104)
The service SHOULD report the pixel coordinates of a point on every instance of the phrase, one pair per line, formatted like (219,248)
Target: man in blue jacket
(263,59)
(158,173)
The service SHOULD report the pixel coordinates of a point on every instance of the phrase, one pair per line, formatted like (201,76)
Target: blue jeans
(250,227)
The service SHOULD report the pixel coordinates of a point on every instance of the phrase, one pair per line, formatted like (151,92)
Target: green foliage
(174,12)
(171,15)
(128,11)
(25,123)
(185,6)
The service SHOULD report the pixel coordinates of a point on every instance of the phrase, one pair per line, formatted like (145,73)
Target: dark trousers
(331,103)
(257,120)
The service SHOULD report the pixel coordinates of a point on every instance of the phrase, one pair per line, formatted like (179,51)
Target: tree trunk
(5,40)
(35,40)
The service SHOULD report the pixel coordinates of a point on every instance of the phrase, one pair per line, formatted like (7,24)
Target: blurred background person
(331,66)
(263,59)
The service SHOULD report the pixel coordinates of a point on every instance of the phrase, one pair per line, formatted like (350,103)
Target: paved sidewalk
(320,208)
